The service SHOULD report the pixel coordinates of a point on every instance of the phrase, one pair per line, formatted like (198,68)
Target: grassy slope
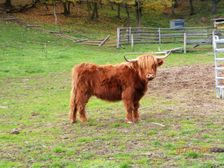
(34,88)
(26,52)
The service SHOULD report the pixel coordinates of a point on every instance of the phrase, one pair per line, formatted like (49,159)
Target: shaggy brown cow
(126,81)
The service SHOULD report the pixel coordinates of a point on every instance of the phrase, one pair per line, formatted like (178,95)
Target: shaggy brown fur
(125,81)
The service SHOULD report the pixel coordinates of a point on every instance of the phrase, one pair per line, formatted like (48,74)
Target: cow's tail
(73,105)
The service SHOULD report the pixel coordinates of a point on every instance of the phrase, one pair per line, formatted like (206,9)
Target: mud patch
(193,86)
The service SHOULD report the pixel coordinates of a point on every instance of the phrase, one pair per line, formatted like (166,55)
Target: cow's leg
(73,108)
(128,103)
(82,113)
(129,108)
(136,113)
(81,102)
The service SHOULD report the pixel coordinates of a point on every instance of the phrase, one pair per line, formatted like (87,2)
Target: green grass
(27,52)
(34,88)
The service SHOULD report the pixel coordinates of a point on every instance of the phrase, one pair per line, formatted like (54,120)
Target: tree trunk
(8,4)
(140,10)
(46,6)
(34,2)
(112,5)
(128,14)
(191,7)
(55,14)
(89,7)
(65,8)
(138,13)
(127,11)
(214,6)
(174,6)
(119,11)
(101,4)
(95,14)
(69,7)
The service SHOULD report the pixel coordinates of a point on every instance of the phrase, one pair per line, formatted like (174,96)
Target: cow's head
(147,65)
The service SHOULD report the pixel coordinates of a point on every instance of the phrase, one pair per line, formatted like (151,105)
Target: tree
(214,6)
(54,12)
(54,3)
(138,10)
(191,7)
(95,14)
(127,11)
(89,7)
(8,4)
(67,6)
(119,10)
(174,5)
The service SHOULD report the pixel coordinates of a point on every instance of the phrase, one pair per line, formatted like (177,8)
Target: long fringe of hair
(146,61)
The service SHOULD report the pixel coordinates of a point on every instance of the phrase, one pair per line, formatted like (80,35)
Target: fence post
(213,40)
(132,41)
(208,33)
(185,42)
(129,34)
(118,38)
(159,33)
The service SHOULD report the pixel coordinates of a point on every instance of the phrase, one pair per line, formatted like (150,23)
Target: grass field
(34,99)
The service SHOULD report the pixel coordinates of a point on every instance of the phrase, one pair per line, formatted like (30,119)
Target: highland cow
(126,81)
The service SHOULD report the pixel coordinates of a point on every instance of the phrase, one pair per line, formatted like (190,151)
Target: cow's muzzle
(150,76)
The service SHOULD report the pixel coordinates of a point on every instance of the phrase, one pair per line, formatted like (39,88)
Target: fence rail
(146,35)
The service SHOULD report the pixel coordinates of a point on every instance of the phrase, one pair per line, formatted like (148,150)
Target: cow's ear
(159,61)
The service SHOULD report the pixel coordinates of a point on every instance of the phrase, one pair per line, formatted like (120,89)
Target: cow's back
(106,82)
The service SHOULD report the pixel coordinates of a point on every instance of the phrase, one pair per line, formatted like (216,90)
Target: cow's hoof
(128,121)
(72,121)
(83,119)
(136,120)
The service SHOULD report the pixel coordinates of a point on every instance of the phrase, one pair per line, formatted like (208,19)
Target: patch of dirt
(192,86)
(187,77)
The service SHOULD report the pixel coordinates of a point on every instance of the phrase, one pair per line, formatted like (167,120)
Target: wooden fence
(146,35)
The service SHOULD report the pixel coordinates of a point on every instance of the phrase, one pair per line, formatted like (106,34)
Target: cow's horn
(165,56)
(132,60)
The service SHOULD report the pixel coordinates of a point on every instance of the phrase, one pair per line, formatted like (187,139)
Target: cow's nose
(150,76)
